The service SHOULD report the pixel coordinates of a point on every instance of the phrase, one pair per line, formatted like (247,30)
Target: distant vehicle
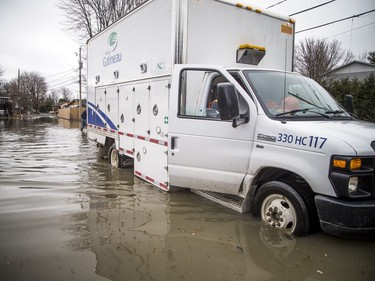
(200,95)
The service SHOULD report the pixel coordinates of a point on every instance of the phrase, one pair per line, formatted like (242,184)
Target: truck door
(206,152)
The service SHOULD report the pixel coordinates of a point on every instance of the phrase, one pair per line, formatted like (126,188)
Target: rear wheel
(113,156)
(281,206)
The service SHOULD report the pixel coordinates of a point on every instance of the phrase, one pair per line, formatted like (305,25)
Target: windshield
(292,95)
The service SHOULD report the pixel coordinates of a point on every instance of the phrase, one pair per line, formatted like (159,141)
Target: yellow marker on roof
(254,47)
(245,4)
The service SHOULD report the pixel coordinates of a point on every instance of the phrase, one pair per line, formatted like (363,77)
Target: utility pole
(80,81)
(18,89)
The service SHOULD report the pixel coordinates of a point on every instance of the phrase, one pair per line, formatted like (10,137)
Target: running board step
(230,201)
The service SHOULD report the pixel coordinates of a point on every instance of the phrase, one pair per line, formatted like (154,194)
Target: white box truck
(199,94)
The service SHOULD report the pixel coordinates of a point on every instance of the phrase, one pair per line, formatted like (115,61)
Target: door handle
(173,143)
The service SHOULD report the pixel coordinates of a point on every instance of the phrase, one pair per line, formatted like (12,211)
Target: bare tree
(315,57)
(65,93)
(37,90)
(361,57)
(371,57)
(54,96)
(88,17)
(2,71)
(2,85)
(28,92)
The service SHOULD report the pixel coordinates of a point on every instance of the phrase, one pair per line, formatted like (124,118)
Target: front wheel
(281,206)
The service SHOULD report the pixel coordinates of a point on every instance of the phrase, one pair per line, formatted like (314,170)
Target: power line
(58,73)
(57,79)
(350,30)
(332,22)
(312,8)
(63,84)
(276,4)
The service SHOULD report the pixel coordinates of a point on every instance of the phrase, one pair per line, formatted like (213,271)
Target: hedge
(363,93)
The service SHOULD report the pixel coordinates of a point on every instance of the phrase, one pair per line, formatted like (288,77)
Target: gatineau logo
(111,57)
(112,41)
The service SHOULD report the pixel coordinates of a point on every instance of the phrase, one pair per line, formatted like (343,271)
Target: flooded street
(67,215)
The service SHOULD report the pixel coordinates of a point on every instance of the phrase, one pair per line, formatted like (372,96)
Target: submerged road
(67,215)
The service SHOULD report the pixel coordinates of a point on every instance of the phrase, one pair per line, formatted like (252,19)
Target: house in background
(59,105)
(354,69)
(5,106)
(71,111)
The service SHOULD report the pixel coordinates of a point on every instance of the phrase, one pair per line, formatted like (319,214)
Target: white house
(354,69)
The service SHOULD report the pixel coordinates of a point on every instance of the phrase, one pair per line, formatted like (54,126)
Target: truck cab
(277,141)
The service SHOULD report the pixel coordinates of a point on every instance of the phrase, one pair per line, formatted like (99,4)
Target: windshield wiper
(292,112)
(334,112)
(306,101)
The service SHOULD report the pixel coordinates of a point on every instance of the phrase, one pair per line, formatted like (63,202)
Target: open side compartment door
(150,136)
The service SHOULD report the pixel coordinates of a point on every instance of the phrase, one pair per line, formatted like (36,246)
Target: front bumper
(350,219)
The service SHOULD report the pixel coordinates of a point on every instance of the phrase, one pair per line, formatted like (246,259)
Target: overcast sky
(33,37)
(356,35)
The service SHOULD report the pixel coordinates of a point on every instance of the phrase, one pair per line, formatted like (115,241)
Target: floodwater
(67,215)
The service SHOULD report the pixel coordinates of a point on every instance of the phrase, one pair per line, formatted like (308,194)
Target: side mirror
(349,104)
(228,101)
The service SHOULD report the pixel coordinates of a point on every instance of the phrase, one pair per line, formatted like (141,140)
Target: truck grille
(367,181)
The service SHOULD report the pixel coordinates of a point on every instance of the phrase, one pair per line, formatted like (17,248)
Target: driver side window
(198,94)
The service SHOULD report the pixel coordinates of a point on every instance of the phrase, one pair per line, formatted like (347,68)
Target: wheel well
(109,142)
(277,174)
(104,149)
(298,183)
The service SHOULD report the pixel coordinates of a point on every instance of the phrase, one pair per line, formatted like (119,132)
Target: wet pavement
(67,215)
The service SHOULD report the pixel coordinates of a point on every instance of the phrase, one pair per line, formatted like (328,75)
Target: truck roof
(245,4)
(151,39)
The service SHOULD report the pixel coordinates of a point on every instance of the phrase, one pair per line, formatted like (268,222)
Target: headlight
(347,163)
(355,164)
(352,176)
(353,185)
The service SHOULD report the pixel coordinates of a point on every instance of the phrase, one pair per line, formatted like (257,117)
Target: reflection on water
(144,234)
(69,124)
(51,178)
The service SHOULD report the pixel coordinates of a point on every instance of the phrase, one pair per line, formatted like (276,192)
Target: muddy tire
(281,206)
(113,156)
